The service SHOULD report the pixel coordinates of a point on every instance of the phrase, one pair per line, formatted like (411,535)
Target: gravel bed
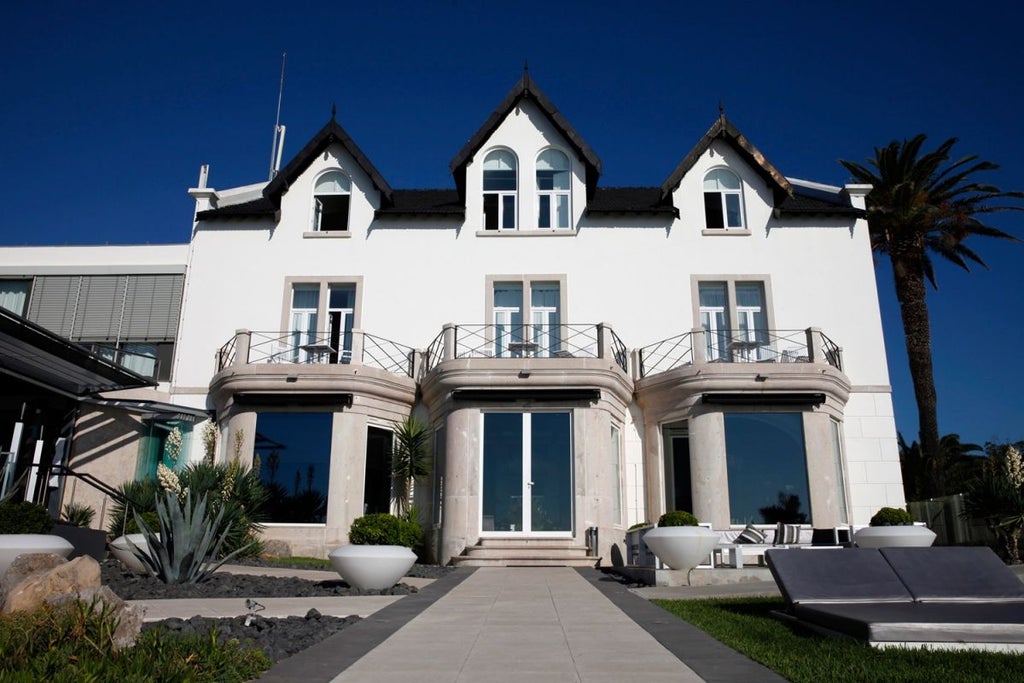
(277,638)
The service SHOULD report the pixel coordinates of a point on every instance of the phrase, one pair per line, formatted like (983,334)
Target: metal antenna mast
(278,140)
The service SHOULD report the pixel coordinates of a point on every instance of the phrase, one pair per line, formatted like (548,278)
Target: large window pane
(295,464)
(14,295)
(503,472)
(767,468)
(551,472)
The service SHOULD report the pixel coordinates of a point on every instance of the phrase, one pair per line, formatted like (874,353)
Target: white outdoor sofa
(735,554)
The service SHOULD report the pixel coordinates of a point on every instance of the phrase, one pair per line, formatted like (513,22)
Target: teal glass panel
(503,472)
(551,472)
(767,468)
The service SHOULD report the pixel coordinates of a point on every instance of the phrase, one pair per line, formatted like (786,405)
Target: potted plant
(679,542)
(893,527)
(25,528)
(379,551)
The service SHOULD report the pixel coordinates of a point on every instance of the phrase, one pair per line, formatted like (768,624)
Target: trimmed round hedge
(385,529)
(24,518)
(677,518)
(892,517)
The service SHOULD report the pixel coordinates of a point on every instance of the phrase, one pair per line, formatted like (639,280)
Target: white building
(586,357)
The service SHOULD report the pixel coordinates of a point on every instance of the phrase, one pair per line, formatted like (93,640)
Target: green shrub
(385,529)
(892,517)
(78,514)
(677,518)
(24,518)
(639,525)
(189,543)
(74,643)
(236,490)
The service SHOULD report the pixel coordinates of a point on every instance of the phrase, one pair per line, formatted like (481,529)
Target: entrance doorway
(527,474)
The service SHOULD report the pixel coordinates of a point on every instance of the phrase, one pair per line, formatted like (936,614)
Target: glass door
(527,474)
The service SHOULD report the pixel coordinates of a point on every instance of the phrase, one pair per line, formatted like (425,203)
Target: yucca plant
(185,548)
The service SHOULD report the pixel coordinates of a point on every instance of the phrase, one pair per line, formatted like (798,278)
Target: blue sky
(118,104)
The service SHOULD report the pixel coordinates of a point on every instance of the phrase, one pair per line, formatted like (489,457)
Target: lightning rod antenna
(275,145)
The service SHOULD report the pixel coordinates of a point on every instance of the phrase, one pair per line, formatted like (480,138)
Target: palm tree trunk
(910,291)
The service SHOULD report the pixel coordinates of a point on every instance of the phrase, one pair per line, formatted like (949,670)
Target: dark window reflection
(767,467)
(295,460)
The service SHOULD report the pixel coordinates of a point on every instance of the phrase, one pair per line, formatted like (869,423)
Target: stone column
(822,479)
(708,474)
(460,524)
(654,473)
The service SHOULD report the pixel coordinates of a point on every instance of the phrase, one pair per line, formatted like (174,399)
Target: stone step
(519,542)
(537,561)
(514,551)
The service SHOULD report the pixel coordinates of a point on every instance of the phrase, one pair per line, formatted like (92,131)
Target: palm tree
(921,205)
(410,460)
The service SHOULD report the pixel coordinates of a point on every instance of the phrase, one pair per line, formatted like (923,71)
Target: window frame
(323,304)
(527,283)
(732,311)
(317,217)
(501,196)
(28,282)
(554,194)
(724,194)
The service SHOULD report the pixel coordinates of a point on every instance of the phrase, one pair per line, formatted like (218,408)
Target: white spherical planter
(372,567)
(122,551)
(681,547)
(12,545)
(894,536)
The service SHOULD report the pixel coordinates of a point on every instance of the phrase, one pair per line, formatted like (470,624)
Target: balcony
(305,365)
(740,367)
(738,346)
(529,362)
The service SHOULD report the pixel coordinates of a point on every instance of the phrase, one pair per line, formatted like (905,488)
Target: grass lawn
(744,624)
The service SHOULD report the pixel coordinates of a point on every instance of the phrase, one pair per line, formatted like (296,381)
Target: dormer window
(552,189)
(331,196)
(723,200)
(500,190)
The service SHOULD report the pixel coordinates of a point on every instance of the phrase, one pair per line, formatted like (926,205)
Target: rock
(76,576)
(23,567)
(129,617)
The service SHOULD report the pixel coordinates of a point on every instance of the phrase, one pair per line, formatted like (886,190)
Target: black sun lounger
(944,598)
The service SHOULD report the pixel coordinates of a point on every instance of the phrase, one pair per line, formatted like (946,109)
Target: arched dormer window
(552,189)
(331,195)
(723,200)
(500,190)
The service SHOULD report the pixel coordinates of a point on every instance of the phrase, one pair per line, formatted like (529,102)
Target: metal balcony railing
(525,341)
(738,346)
(303,347)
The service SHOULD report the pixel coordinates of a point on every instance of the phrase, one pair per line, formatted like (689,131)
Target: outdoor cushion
(845,575)
(787,534)
(917,622)
(960,574)
(750,534)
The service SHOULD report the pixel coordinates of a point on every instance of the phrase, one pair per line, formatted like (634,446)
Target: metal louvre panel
(99,308)
(152,307)
(54,299)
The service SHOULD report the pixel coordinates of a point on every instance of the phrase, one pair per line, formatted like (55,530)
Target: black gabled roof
(631,200)
(256,208)
(424,203)
(723,129)
(803,205)
(525,89)
(328,135)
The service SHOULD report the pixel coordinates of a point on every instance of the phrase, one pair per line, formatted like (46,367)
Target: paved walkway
(520,624)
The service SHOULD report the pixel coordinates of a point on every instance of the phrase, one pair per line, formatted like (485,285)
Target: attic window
(723,200)
(500,195)
(552,189)
(331,196)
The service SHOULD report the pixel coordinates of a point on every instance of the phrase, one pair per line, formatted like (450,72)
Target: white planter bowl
(372,567)
(122,551)
(894,536)
(681,547)
(12,545)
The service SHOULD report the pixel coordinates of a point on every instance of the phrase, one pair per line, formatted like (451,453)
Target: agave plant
(187,544)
